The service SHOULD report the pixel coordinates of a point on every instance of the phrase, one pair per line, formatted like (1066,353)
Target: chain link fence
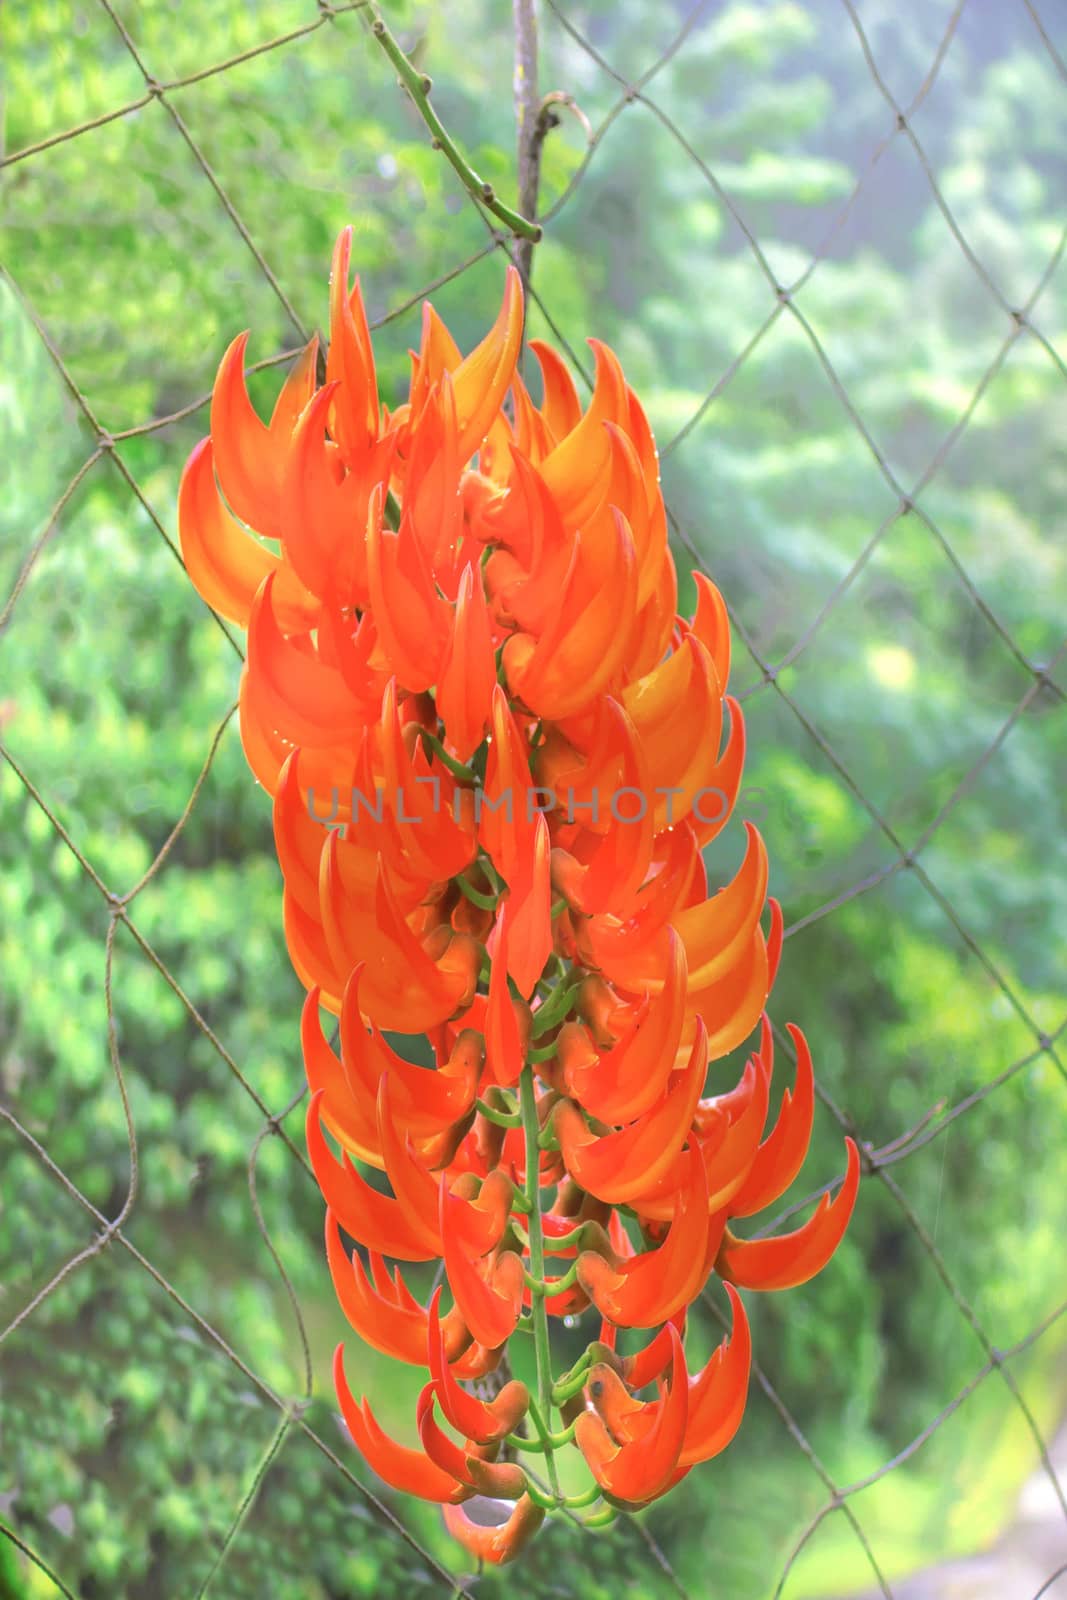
(773,678)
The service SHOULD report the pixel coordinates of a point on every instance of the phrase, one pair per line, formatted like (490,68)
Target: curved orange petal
(488,1293)
(477,1419)
(397,1465)
(578,470)
(504,1044)
(247,457)
(412,620)
(793,1258)
(718,1393)
(626,1081)
(711,624)
(529,915)
(226,564)
(468,676)
(482,379)
(350,1120)
(636,1472)
(500,1542)
(310,954)
(416,1189)
(321,505)
(306,701)
(648,1289)
(781,1155)
(376,1220)
(397,1330)
(350,359)
(624,1165)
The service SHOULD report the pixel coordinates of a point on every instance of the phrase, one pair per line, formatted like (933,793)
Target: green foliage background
(128,1440)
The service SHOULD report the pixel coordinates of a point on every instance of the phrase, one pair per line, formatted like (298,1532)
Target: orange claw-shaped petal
(350,358)
(644,1366)
(382,1312)
(416,1189)
(577,468)
(488,1293)
(793,1258)
(717,1395)
(718,931)
(622,1166)
(483,378)
(349,1119)
(727,1133)
(781,1155)
(711,624)
(247,458)
(635,1472)
(424,1103)
(412,620)
(561,408)
(504,1042)
(468,677)
(376,1220)
(647,1289)
(497,1542)
(478,1211)
(477,1419)
(321,504)
(402,988)
(529,916)
(224,561)
(505,824)
(397,1465)
(626,1081)
(303,698)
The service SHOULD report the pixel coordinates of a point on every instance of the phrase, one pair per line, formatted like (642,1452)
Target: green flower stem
(503,1119)
(541,1409)
(485,902)
(458,770)
(551,1441)
(600,1519)
(548,1502)
(418,87)
(585,1497)
(566,1241)
(491,873)
(544,1053)
(555,1007)
(548,1139)
(551,1286)
(571,1382)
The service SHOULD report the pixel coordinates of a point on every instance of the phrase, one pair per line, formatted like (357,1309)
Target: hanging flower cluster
(496,754)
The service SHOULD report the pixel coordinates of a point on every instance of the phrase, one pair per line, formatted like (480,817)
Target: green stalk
(456,768)
(418,87)
(556,1006)
(542,1411)
(502,1119)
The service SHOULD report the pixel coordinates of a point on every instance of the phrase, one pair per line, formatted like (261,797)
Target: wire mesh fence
(610,74)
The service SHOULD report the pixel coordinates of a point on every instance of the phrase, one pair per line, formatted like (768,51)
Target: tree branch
(528,122)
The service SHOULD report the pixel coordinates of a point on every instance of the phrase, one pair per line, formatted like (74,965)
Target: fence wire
(1020,323)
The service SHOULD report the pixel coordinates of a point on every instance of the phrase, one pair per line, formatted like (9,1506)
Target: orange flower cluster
(464,654)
